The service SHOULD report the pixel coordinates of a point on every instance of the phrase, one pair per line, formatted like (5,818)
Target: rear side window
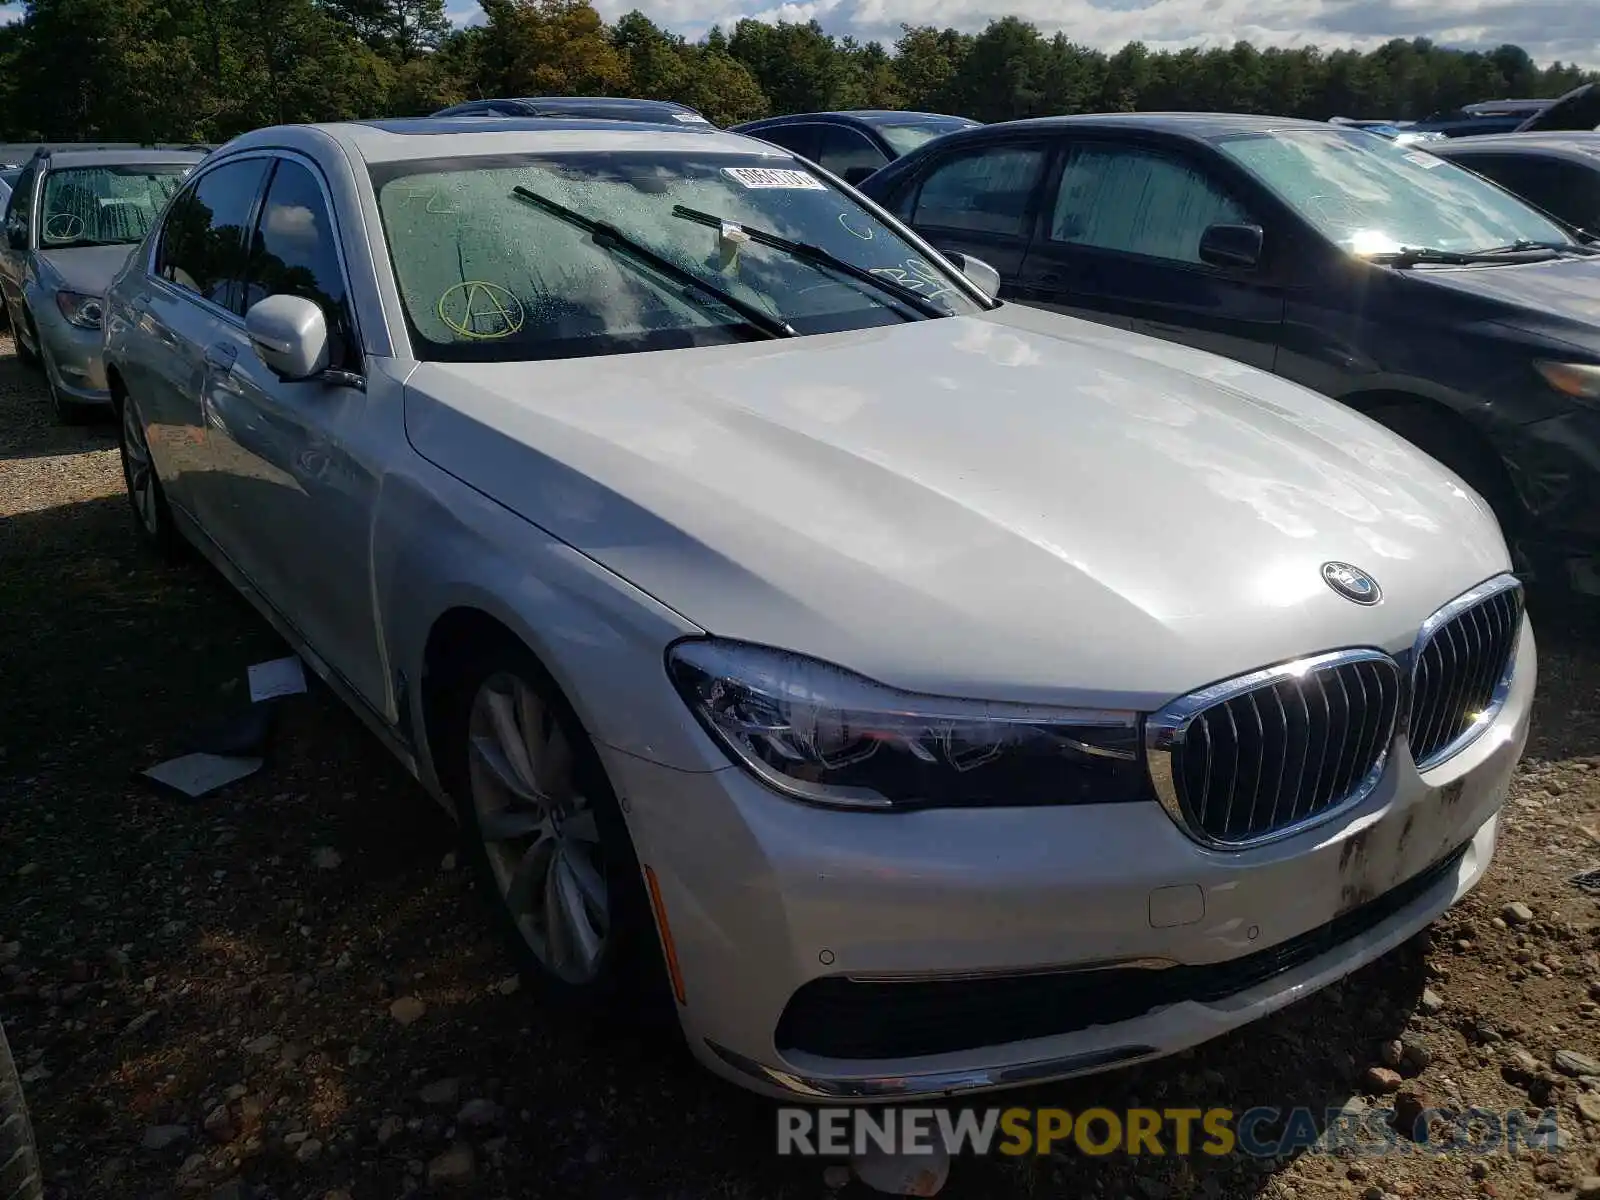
(981,191)
(295,253)
(202,246)
(1130,200)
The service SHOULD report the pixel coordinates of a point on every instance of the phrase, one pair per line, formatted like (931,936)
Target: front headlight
(819,733)
(83,311)
(1581,381)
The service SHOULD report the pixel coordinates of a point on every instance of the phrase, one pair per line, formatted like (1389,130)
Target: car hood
(1560,298)
(86,269)
(1017,505)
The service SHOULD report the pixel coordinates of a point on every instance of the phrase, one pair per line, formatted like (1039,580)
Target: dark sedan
(1556,172)
(1384,276)
(588,108)
(856,143)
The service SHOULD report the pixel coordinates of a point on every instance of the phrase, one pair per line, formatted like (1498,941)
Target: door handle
(220,357)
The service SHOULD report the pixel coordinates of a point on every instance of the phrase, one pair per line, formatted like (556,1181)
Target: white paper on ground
(196,774)
(280,677)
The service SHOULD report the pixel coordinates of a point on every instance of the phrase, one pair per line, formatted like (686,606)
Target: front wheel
(19,1160)
(547,835)
(152,519)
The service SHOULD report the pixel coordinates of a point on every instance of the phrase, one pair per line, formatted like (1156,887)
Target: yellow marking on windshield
(473,304)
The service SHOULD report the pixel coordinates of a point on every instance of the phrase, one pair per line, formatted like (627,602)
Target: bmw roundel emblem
(1352,583)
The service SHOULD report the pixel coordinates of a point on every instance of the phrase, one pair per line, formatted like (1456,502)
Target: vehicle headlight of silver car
(79,309)
(825,735)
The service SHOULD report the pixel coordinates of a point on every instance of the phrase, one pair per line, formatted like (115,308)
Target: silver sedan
(70,221)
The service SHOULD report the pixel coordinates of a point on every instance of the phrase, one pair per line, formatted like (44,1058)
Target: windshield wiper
(1410,256)
(1524,245)
(818,257)
(609,236)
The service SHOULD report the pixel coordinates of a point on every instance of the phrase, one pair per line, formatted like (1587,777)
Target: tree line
(205,70)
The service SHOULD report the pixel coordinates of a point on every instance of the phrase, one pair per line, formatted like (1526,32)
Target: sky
(1568,30)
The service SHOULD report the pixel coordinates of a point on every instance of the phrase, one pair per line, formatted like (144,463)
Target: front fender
(439,545)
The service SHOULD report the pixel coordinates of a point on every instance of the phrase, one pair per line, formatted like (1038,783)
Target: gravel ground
(203,995)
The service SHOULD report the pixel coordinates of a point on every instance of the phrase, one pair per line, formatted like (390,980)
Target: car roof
(404,139)
(867,116)
(1183,124)
(1512,143)
(602,102)
(60,159)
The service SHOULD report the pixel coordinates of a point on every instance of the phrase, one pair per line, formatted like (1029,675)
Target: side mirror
(17,237)
(855,176)
(979,273)
(290,335)
(1232,246)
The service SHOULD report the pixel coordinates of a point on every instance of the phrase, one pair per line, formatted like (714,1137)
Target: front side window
(106,205)
(487,270)
(982,191)
(1134,201)
(1373,197)
(1562,189)
(843,150)
(202,247)
(798,139)
(294,252)
(20,207)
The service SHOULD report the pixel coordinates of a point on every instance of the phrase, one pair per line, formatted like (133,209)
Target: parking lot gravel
(289,990)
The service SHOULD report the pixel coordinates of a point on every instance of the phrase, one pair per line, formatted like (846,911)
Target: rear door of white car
(190,320)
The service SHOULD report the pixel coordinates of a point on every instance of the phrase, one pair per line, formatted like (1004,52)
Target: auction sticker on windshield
(772,177)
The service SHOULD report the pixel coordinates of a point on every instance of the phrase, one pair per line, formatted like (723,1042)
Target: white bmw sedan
(918,693)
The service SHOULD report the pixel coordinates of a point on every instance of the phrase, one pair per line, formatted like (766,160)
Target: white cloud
(1548,29)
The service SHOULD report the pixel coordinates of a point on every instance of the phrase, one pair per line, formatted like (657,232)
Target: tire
(511,842)
(152,518)
(19,1159)
(25,356)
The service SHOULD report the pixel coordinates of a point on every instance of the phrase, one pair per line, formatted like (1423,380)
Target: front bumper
(71,356)
(765,896)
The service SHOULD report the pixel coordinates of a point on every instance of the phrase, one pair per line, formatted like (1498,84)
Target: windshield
(904,137)
(1374,197)
(489,269)
(107,205)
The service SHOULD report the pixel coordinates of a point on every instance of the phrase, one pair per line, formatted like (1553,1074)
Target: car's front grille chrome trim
(1263,756)
(1252,740)
(1461,669)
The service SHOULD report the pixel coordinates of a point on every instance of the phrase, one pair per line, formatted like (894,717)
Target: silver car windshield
(486,275)
(104,205)
(1374,197)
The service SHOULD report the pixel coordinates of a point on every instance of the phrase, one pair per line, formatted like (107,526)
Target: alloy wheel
(138,470)
(539,831)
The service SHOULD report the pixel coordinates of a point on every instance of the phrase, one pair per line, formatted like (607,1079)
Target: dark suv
(1384,276)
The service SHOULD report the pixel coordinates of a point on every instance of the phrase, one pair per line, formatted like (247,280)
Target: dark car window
(19,210)
(1562,189)
(294,252)
(843,150)
(1135,201)
(801,139)
(202,246)
(981,191)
